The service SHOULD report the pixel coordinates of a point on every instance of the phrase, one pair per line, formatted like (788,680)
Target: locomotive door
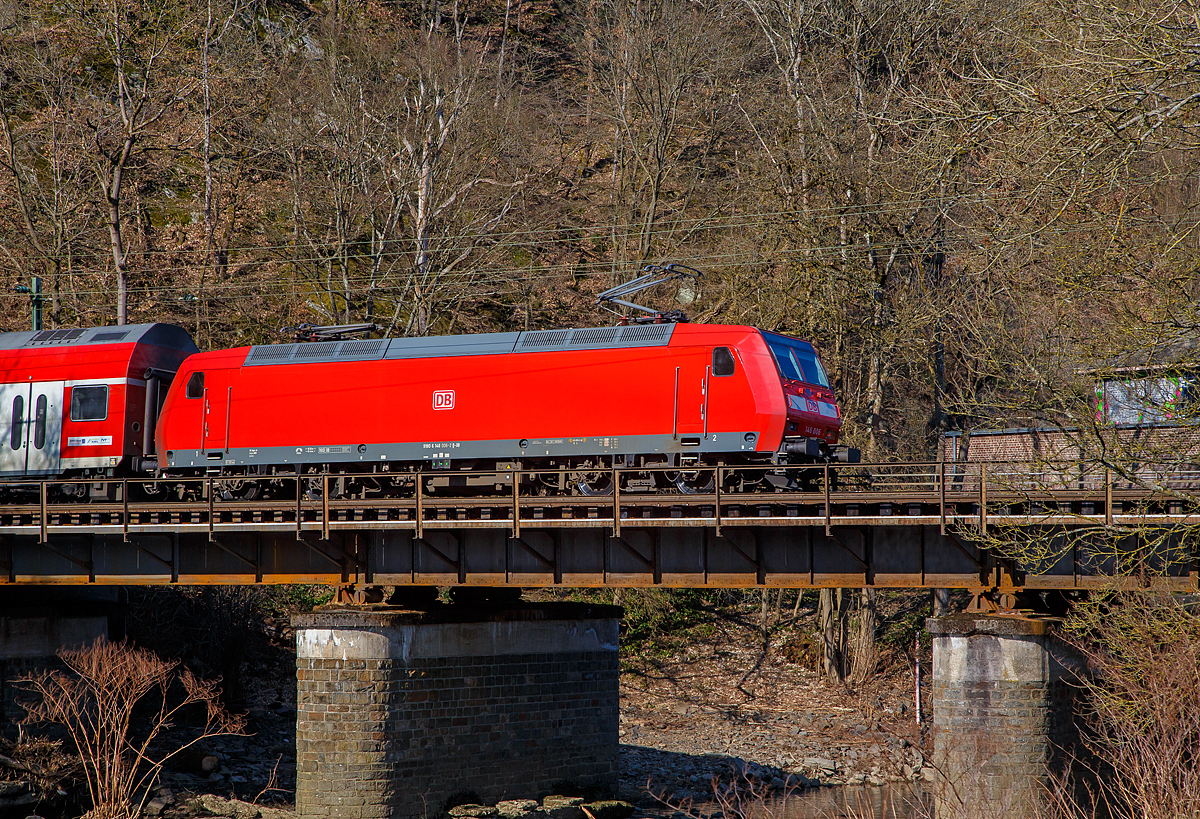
(720,391)
(690,394)
(33,420)
(217,395)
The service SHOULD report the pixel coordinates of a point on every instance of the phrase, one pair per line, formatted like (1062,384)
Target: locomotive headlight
(749,438)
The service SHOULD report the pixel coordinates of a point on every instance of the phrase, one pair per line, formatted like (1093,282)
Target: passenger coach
(84,402)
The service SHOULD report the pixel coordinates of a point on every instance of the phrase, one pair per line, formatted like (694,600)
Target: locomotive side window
(39,423)
(89,403)
(18,422)
(195,386)
(722,363)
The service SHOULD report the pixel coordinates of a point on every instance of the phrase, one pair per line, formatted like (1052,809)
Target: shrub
(116,702)
(1143,695)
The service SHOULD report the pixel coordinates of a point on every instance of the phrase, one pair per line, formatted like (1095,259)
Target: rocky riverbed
(687,720)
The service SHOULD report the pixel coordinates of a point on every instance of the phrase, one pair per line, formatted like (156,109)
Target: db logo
(443,399)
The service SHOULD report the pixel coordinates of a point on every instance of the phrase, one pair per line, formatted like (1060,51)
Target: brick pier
(400,710)
(1002,712)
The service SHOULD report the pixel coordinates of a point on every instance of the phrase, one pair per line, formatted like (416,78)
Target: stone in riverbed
(818,762)
(472,811)
(155,806)
(609,809)
(562,807)
(553,802)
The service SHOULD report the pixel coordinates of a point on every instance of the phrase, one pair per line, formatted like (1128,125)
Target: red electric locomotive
(669,394)
(80,402)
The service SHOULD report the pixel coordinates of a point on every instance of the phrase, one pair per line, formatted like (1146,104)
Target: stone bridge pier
(400,710)
(1002,713)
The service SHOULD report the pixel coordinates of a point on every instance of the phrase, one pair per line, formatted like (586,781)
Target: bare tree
(832,614)
(663,69)
(44,169)
(123,107)
(415,178)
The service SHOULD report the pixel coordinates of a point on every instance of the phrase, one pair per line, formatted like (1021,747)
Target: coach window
(39,423)
(195,386)
(89,403)
(722,361)
(18,422)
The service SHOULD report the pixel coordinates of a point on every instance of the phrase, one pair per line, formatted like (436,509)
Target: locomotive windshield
(796,360)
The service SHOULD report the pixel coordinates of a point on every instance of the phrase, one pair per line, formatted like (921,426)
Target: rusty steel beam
(900,556)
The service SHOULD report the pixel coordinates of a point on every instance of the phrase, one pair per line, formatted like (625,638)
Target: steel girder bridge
(929,525)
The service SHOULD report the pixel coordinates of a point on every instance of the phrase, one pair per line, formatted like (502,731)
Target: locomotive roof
(158,334)
(534,341)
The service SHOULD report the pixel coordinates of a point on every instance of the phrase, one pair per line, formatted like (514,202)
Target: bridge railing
(955,491)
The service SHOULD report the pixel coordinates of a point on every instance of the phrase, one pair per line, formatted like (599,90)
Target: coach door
(33,428)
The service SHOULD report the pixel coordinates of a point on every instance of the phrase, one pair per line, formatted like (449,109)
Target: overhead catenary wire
(539,236)
(576,268)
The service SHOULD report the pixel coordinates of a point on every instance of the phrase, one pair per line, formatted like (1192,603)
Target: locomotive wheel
(239,490)
(695,482)
(152,490)
(593,484)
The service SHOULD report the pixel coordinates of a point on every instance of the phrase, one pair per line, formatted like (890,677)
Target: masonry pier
(1002,712)
(400,710)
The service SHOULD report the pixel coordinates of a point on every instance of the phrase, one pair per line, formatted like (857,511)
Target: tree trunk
(864,647)
(833,610)
(941,602)
(766,596)
(118,252)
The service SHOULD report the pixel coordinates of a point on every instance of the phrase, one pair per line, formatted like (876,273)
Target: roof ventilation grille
(359,348)
(544,338)
(271,352)
(646,332)
(56,336)
(320,350)
(599,335)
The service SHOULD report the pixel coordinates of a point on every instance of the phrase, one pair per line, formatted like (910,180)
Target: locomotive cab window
(797,361)
(722,361)
(89,403)
(195,386)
